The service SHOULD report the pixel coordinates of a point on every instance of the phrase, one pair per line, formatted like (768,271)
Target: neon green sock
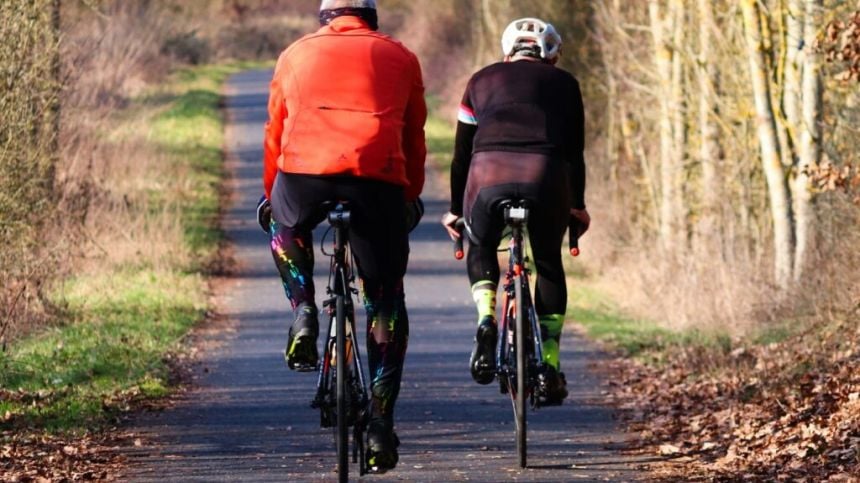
(484,295)
(551,326)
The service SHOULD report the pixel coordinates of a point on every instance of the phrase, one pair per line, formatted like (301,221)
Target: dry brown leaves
(827,177)
(44,458)
(841,45)
(787,411)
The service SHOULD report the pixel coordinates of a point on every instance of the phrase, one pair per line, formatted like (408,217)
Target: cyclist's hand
(264,213)
(582,219)
(414,213)
(449,220)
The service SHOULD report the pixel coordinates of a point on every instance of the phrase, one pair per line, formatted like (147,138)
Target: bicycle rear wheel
(342,396)
(522,372)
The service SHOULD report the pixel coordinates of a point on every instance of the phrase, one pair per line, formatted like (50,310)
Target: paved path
(248,417)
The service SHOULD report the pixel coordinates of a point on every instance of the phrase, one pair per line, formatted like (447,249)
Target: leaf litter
(787,411)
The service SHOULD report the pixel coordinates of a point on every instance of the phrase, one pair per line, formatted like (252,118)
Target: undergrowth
(126,313)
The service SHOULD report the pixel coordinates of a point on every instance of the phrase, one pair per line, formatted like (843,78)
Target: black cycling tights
(551,289)
(378,238)
(543,182)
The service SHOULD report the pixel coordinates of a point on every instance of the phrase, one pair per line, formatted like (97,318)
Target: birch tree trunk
(677,14)
(663,63)
(810,135)
(790,13)
(792,45)
(710,150)
(778,192)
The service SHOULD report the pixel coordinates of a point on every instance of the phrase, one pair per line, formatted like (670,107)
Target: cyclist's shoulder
(396,44)
(300,43)
(491,68)
(568,74)
(486,72)
(308,43)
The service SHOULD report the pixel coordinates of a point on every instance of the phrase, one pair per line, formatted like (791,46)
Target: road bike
(341,393)
(519,355)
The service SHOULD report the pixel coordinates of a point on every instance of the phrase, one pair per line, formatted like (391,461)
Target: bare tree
(661,28)
(810,135)
(778,191)
(710,150)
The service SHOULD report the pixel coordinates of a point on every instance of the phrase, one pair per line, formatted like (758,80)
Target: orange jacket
(347,100)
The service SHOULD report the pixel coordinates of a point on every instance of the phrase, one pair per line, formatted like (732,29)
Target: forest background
(724,178)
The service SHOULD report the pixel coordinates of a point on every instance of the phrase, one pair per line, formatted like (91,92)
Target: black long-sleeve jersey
(526,107)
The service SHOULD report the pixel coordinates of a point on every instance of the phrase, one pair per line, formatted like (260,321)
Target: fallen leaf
(669,449)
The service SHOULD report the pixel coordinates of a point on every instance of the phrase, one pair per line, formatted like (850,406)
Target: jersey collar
(348,23)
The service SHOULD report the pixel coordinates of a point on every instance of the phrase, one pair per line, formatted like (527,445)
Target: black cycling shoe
(483,360)
(552,387)
(301,351)
(382,443)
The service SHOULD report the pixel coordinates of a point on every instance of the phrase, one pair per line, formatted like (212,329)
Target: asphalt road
(248,417)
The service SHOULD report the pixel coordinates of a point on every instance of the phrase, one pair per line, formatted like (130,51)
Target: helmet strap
(369,15)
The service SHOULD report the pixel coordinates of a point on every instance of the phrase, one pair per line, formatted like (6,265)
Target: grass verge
(633,337)
(124,318)
(439,132)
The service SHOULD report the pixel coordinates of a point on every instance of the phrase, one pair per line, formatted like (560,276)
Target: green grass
(440,135)
(191,128)
(642,339)
(121,323)
(122,326)
(440,139)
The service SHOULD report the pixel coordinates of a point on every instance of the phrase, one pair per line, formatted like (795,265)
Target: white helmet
(532,30)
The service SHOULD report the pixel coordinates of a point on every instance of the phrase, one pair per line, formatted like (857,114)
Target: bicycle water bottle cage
(339,216)
(516,211)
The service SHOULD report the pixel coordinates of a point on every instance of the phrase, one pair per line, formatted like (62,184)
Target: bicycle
(519,356)
(342,401)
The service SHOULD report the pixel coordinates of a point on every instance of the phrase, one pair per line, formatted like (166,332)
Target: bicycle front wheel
(342,401)
(521,315)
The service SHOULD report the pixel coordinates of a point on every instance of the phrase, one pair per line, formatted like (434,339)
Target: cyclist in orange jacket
(346,122)
(521,134)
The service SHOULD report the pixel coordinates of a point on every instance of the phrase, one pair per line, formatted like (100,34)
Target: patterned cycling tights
(384,302)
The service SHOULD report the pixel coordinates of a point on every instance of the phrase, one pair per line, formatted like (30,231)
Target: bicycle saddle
(515,210)
(338,212)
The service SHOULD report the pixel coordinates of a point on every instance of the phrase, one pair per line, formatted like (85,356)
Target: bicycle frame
(517,354)
(520,331)
(350,392)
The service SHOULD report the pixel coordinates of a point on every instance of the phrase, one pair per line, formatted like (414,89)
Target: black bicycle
(341,393)
(519,355)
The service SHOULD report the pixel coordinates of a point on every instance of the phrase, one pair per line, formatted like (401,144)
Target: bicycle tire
(342,402)
(522,373)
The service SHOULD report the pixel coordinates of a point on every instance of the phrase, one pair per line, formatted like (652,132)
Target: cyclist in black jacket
(520,134)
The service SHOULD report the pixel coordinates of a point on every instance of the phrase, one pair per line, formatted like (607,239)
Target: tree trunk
(663,63)
(792,48)
(810,136)
(778,192)
(677,14)
(710,150)
(57,88)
